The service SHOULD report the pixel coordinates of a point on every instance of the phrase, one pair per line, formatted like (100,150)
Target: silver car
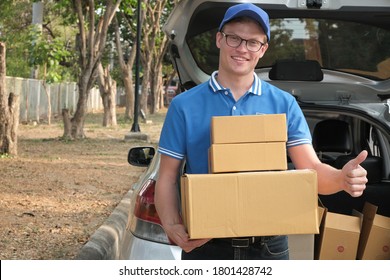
(332,56)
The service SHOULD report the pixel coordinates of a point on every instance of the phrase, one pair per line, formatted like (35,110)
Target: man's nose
(242,46)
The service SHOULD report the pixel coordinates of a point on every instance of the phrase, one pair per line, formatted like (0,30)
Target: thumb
(359,159)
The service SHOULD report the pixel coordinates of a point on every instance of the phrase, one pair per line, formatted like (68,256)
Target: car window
(365,51)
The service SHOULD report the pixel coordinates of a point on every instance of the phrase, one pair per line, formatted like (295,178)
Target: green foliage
(55,46)
(47,53)
(128,7)
(66,11)
(14,34)
(4,156)
(23,43)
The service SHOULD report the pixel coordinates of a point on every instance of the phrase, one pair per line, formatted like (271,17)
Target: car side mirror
(140,156)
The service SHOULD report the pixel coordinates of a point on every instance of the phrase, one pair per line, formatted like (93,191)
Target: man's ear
(263,50)
(218,38)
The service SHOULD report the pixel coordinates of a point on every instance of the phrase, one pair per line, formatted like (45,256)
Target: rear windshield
(337,45)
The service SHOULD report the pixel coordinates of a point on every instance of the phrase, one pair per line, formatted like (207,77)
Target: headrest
(291,70)
(332,136)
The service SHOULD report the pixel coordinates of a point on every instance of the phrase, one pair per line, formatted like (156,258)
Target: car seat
(331,138)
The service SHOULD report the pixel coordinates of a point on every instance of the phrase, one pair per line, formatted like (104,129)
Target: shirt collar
(255,88)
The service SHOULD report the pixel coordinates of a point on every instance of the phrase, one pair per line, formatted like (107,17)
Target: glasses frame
(241,40)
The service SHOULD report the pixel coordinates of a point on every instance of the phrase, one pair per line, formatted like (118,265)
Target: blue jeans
(268,248)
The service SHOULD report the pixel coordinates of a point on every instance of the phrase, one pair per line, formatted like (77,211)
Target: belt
(242,242)
(241,245)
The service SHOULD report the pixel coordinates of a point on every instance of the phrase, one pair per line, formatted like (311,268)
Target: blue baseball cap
(247,10)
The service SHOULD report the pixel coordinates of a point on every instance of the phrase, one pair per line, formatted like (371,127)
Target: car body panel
(134,248)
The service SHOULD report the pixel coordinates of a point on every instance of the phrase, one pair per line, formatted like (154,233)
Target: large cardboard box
(374,243)
(247,157)
(250,203)
(248,129)
(339,237)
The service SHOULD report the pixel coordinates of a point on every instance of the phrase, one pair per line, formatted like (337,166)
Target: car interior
(337,138)
(334,143)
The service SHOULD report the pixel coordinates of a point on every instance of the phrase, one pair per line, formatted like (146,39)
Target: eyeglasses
(235,41)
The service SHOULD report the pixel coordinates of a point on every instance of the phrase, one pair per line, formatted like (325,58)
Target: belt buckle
(240,242)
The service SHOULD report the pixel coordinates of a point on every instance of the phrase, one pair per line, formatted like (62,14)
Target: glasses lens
(253,45)
(233,41)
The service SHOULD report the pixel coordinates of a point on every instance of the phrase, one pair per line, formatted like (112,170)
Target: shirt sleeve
(298,129)
(172,138)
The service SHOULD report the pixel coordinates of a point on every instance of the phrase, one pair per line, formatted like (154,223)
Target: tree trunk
(67,124)
(77,122)
(9,112)
(144,98)
(107,88)
(129,88)
(156,89)
(109,118)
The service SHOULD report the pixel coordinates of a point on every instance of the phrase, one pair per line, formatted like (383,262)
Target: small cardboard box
(248,129)
(374,243)
(339,237)
(247,157)
(250,203)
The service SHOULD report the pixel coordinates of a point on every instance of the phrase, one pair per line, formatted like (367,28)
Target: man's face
(239,60)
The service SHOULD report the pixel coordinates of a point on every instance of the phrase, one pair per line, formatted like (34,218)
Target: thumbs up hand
(355,176)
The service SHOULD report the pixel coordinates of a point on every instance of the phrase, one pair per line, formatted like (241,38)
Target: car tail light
(144,205)
(146,224)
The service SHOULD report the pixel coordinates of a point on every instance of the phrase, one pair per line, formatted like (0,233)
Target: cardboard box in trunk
(338,238)
(250,203)
(374,243)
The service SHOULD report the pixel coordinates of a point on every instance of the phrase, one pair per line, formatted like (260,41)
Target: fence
(34,101)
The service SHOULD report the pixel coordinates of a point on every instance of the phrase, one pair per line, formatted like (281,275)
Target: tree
(17,36)
(107,88)
(93,22)
(49,54)
(155,44)
(158,52)
(125,37)
(9,111)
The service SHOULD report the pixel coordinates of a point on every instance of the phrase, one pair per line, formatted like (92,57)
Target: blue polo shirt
(186,130)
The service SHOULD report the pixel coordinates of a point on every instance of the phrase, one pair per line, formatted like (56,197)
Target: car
(171,90)
(332,56)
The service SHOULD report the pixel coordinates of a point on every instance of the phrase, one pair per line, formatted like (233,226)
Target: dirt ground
(55,194)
